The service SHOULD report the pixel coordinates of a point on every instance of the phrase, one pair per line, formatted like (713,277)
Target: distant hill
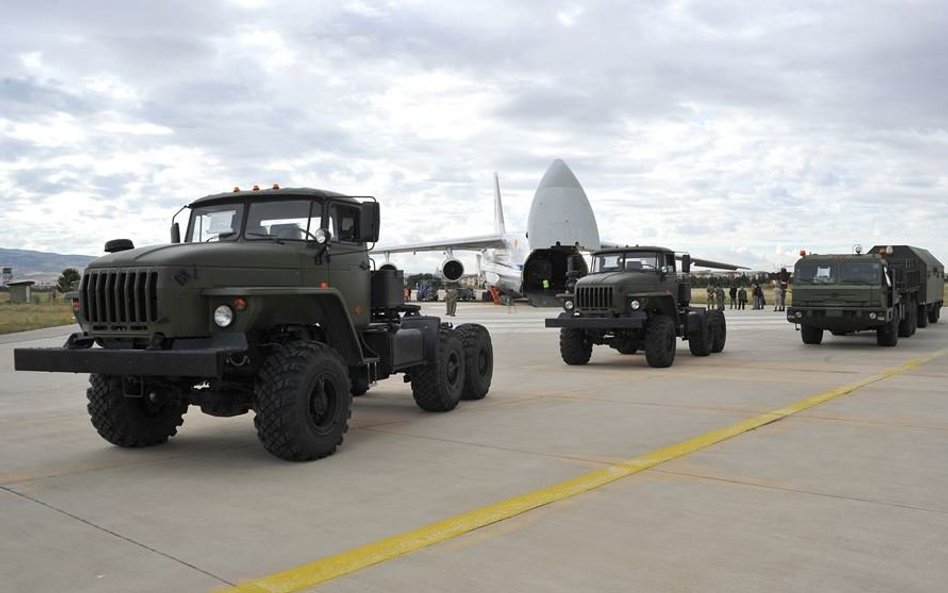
(39,266)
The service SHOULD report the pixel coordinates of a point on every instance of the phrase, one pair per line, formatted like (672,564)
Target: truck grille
(593,297)
(119,296)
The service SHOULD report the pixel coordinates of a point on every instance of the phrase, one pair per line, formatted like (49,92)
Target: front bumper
(201,357)
(631,320)
(840,318)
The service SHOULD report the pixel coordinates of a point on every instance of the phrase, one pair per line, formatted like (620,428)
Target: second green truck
(892,290)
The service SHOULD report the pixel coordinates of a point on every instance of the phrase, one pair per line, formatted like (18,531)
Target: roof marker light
(256,187)
(236,189)
(276,186)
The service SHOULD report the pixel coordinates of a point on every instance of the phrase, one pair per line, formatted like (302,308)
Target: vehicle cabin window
(859,272)
(642,261)
(290,220)
(815,273)
(214,223)
(611,262)
(344,223)
(670,261)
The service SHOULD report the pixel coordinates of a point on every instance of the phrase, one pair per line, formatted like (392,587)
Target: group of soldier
(738,294)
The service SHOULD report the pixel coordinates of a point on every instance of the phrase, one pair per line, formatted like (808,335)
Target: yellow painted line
(332,567)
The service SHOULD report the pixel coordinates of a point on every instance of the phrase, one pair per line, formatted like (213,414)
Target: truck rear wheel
(810,334)
(888,334)
(699,340)
(437,387)
(478,360)
(303,401)
(575,346)
(934,313)
(921,316)
(660,342)
(718,331)
(130,421)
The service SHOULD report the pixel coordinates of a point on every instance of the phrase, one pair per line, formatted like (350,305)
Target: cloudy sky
(738,130)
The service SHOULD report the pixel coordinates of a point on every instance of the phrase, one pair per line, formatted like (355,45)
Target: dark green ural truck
(633,299)
(890,290)
(269,304)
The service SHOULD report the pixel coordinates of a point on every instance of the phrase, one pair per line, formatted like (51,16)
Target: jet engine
(451,269)
(388,266)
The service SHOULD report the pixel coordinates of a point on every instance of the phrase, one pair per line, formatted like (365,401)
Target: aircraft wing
(706,263)
(467,244)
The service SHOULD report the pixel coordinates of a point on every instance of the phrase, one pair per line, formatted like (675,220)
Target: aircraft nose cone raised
(558,175)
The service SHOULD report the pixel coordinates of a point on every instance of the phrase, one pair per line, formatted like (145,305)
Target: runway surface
(629,478)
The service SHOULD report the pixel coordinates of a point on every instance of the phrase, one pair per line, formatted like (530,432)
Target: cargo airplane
(561,227)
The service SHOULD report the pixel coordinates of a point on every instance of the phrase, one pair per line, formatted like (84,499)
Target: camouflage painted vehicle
(269,304)
(891,290)
(634,299)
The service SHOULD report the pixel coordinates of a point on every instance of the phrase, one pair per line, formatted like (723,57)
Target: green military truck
(270,304)
(634,299)
(890,290)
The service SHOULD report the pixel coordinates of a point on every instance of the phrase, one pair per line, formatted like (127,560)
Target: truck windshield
(215,223)
(815,273)
(862,272)
(295,220)
(638,261)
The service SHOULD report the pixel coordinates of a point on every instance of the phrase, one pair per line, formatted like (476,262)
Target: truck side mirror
(175,233)
(685,263)
(369,222)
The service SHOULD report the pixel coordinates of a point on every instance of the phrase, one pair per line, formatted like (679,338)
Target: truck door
(348,264)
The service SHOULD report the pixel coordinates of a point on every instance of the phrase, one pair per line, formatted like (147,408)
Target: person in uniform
(451,300)
(732,292)
(710,296)
(741,297)
(719,297)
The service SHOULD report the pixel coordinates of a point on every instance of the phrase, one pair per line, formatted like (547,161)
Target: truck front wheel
(660,342)
(575,346)
(131,421)
(478,360)
(437,387)
(718,331)
(810,334)
(888,334)
(303,401)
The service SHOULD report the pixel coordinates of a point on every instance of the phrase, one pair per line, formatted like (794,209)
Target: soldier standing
(451,301)
(719,297)
(732,292)
(710,296)
(741,297)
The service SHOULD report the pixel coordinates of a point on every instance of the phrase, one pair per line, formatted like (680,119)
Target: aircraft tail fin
(499,227)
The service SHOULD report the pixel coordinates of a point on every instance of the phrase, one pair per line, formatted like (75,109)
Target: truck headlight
(223,316)
(798,314)
(568,305)
(635,304)
(872,315)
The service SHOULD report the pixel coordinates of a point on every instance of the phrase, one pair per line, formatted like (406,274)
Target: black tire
(130,421)
(810,334)
(303,401)
(699,340)
(627,348)
(839,333)
(360,386)
(437,387)
(478,360)
(660,342)
(921,316)
(575,346)
(888,334)
(934,313)
(907,323)
(718,331)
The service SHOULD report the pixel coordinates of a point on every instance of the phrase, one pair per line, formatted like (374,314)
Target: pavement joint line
(328,568)
(116,534)
(750,484)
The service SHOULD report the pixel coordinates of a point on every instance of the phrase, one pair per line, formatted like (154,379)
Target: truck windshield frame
(860,272)
(285,220)
(867,273)
(218,222)
(627,261)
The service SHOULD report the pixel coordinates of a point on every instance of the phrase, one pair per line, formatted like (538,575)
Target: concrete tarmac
(845,496)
